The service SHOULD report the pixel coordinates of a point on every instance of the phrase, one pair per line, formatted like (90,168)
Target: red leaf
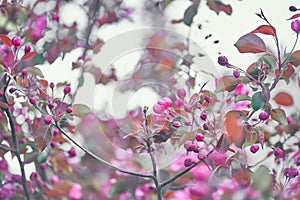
(284,99)
(265,29)
(295,58)
(42,137)
(6,40)
(294,16)
(29,55)
(218,6)
(250,43)
(227,83)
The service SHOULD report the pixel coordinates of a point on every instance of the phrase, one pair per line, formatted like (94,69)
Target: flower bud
(295,25)
(16,41)
(178,103)
(158,109)
(47,119)
(72,152)
(52,85)
(263,115)
(32,100)
(279,153)
(207,99)
(55,132)
(187,145)
(55,16)
(199,137)
(67,89)
(27,48)
(24,72)
(50,106)
(222,60)
(176,124)
(254,148)
(181,93)
(293,9)
(188,108)
(203,116)
(188,162)
(236,73)
(69,110)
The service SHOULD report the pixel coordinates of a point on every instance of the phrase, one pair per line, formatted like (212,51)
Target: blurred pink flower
(75,192)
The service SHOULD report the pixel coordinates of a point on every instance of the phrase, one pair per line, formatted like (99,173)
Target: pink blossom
(201,172)
(75,192)
(158,109)
(240,89)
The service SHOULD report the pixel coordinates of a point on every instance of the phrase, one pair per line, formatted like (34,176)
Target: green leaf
(80,110)
(39,59)
(242,97)
(42,157)
(258,101)
(80,81)
(119,187)
(270,61)
(189,14)
(279,116)
(250,43)
(262,179)
(35,71)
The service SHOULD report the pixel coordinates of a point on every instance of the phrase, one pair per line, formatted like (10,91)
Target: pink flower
(75,192)
(240,89)
(201,172)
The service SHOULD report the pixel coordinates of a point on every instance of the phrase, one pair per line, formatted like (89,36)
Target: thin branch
(16,144)
(100,159)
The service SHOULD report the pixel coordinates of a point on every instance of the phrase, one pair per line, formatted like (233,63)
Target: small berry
(254,148)
(278,152)
(50,106)
(69,110)
(32,100)
(16,41)
(291,172)
(52,85)
(27,48)
(293,9)
(188,162)
(263,115)
(47,119)
(67,89)
(203,116)
(72,152)
(24,72)
(181,93)
(222,60)
(199,137)
(236,73)
(176,124)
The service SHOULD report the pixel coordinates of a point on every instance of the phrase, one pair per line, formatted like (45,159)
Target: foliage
(194,142)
